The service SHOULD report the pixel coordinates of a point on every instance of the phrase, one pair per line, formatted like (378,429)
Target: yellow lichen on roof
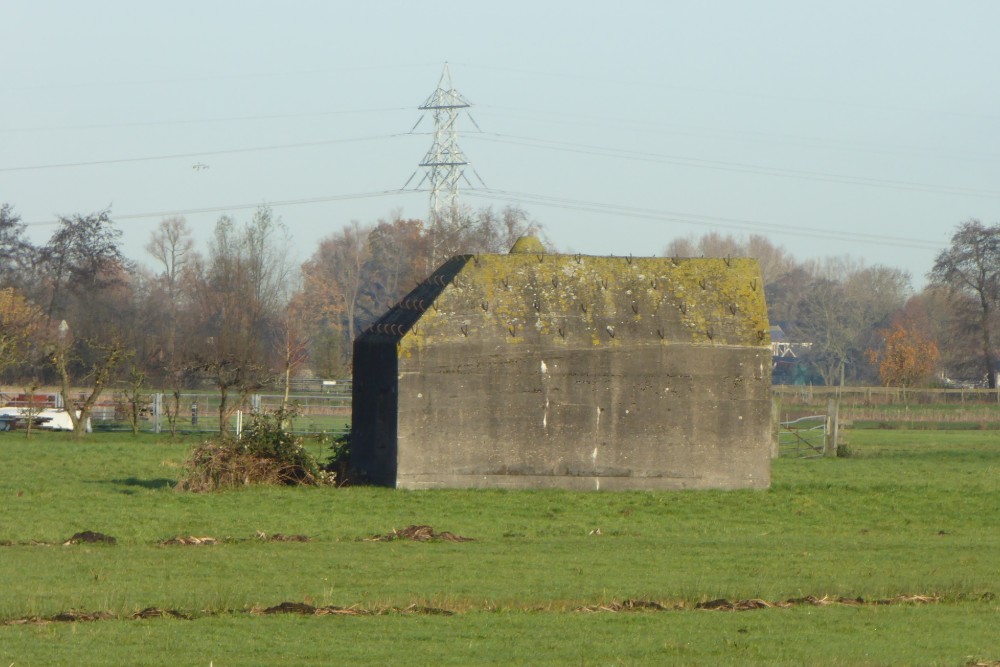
(614,301)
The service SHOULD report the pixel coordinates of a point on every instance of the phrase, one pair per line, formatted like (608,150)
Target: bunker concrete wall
(663,417)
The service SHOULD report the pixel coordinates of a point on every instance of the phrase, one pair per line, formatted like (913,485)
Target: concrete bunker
(533,370)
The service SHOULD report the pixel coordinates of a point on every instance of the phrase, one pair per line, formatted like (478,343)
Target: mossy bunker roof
(582,300)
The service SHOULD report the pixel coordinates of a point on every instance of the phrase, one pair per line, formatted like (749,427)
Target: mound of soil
(73,616)
(420,534)
(91,537)
(278,537)
(155,612)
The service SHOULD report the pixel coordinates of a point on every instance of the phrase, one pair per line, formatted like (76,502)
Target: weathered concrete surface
(566,371)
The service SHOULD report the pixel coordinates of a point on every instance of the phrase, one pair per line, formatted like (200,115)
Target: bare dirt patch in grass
(751,604)
(207,540)
(417,533)
(306,609)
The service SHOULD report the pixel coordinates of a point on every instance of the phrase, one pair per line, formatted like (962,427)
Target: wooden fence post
(832,426)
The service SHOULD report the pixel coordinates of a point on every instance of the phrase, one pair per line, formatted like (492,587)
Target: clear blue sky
(851,127)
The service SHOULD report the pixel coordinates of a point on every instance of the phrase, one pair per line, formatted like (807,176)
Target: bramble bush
(265,453)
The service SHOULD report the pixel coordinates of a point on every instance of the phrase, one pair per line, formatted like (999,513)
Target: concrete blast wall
(533,370)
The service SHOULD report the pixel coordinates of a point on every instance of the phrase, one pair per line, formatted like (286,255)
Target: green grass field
(912,513)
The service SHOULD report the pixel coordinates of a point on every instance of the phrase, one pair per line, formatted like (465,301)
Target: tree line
(858,324)
(240,314)
(237,315)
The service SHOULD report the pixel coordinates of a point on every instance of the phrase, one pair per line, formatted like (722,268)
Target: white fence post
(157,410)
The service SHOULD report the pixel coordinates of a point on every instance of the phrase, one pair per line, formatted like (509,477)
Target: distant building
(786,367)
(532,370)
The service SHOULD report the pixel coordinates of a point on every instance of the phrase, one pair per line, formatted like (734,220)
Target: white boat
(52,419)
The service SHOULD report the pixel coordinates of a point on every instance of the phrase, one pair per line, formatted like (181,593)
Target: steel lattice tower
(445,159)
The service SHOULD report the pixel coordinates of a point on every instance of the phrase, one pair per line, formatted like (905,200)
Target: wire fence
(327,411)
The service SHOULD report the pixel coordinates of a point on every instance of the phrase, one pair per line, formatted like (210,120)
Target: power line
(194,121)
(240,207)
(684,161)
(173,156)
(699,219)
(747,93)
(563,118)
(218,77)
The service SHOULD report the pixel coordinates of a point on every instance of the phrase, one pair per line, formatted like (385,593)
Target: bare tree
(172,246)
(236,296)
(106,358)
(134,397)
(233,374)
(81,259)
(971,267)
(775,262)
(16,253)
(333,280)
(292,344)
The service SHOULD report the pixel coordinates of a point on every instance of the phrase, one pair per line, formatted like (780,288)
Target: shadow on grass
(152,484)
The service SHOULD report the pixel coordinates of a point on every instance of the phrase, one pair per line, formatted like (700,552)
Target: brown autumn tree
(906,358)
(332,284)
(20,321)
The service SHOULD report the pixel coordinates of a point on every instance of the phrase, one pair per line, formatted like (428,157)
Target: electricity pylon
(444,160)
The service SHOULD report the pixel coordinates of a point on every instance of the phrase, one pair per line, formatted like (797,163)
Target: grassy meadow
(910,524)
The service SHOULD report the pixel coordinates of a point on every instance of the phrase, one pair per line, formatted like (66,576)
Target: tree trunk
(987,345)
